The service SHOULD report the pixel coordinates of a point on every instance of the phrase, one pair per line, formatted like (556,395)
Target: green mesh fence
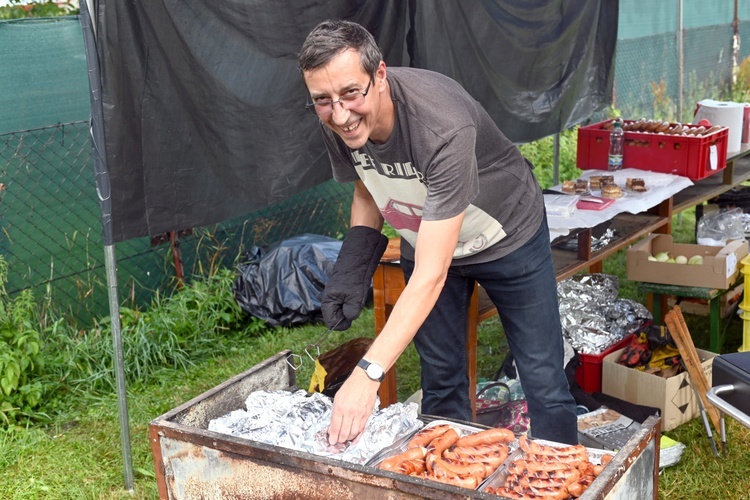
(50,230)
(647,65)
(43,73)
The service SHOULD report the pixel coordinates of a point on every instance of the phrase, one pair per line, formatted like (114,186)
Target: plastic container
(616,144)
(589,374)
(694,157)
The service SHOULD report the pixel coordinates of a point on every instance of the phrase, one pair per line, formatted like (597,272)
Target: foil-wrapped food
(593,317)
(299,421)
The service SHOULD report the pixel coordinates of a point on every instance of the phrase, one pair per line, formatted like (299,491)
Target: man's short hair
(331,37)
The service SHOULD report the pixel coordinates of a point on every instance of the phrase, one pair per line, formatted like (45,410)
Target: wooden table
(388,282)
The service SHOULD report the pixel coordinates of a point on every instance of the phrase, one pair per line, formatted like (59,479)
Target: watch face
(374,371)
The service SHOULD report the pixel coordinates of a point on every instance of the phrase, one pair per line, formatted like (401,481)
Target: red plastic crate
(589,373)
(689,156)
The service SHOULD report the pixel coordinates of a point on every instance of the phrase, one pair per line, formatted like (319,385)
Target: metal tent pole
(103,189)
(556,161)
(680,62)
(122,400)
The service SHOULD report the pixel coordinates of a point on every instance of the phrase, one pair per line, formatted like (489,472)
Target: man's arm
(365,211)
(354,402)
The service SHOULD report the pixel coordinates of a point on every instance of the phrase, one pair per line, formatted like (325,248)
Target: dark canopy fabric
(203,103)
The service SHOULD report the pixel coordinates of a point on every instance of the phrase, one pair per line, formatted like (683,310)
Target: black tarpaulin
(203,104)
(537,66)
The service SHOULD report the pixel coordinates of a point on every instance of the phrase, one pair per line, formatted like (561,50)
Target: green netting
(43,73)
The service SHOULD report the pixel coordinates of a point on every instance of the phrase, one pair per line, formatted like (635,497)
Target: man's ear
(380,75)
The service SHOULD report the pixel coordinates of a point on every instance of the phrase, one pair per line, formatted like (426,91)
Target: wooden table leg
(584,244)
(728,175)
(664,209)
(715,340)
(658,307)
(387,391)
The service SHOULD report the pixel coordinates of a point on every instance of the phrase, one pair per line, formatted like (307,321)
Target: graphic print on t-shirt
(402,215)
(400,191)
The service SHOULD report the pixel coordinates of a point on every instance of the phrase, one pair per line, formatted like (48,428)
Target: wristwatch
(373,370)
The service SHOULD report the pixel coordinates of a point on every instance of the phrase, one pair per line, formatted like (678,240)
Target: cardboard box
(674,396)
(720,268)
(700,307)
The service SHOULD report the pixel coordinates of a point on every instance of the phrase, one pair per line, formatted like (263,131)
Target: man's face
(357,120)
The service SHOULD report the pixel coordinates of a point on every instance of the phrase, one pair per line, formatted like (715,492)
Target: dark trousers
(523,288)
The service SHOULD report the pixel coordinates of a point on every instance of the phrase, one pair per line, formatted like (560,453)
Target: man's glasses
(352,99)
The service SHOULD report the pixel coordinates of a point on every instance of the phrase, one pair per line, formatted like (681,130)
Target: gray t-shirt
(445,155)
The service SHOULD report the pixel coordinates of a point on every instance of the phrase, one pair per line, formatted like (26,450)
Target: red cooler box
(694,157)
(589,374)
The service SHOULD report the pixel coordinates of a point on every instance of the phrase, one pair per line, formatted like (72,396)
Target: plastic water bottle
(616,142)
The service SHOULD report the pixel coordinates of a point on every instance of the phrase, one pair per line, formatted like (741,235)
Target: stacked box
(701,307)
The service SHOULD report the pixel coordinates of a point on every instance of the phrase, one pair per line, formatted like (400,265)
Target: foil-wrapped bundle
(626,316)
(592,316)
(299,421)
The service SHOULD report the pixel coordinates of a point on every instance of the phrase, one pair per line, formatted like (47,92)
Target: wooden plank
(681,335)
(383,281)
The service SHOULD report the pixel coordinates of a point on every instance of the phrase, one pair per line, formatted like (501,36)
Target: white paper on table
(660,187)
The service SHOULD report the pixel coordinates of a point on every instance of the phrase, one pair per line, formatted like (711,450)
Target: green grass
(78,455)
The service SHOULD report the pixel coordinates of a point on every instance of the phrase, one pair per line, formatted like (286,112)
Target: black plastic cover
(203,103)
(283,284)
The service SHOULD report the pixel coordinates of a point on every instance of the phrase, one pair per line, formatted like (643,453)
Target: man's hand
(352,407)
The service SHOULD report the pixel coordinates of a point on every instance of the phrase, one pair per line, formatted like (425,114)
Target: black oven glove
(346,291)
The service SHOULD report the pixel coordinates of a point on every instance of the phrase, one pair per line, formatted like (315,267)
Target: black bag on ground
(284,284)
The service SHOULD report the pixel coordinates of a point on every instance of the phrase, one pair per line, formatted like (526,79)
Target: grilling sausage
(443,442)
(413,454)
(489,436)
(533,448)
(425,436)
(410,467)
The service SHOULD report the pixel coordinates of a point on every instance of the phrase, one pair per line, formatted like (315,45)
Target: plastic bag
(284,284)
(504,408)
(719,228)
(334,367)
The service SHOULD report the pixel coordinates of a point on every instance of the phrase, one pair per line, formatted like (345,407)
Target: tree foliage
(19,9)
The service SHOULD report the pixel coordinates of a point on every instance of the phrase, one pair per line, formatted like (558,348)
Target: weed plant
(541,154)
